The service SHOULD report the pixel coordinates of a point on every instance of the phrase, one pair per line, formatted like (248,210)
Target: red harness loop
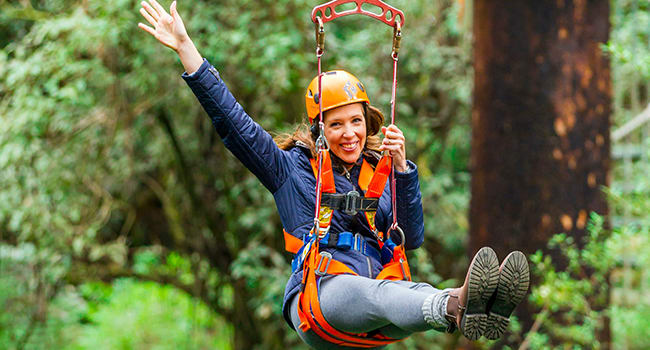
(389,14)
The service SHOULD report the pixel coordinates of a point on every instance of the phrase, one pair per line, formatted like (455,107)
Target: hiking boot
(511,289)
(467,305)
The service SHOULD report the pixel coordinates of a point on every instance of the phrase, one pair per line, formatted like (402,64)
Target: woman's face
(345,131)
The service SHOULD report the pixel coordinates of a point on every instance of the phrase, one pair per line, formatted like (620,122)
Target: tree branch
(218,253)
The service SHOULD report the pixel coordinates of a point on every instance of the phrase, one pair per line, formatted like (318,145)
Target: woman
(354,302)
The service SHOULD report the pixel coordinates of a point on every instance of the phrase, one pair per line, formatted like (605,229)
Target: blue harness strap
(342,240)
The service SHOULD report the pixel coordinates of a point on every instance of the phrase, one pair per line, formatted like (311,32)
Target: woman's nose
(348,131)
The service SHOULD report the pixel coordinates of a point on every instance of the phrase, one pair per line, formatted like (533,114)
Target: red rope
(392,121)
(321,146)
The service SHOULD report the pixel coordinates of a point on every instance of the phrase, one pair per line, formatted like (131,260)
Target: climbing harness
(316,264)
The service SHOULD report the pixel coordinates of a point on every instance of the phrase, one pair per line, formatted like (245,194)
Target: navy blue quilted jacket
(289,177)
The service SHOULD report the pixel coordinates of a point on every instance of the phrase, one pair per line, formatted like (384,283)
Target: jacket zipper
(349,177)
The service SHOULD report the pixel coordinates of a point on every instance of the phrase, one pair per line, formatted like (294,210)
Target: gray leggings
(359,304)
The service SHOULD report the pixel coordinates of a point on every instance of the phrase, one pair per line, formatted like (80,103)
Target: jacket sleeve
(409,208)
(246,139)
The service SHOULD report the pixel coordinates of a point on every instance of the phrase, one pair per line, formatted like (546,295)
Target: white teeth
(349,146)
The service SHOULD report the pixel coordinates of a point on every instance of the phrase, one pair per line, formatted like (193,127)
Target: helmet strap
(315,132)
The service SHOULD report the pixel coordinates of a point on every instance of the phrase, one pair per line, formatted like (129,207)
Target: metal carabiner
(395,227)
(320,36)
(321,141)
(397,39)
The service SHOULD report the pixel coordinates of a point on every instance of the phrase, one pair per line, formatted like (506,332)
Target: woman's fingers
(392,127)
(147,29)
(394,144)
(394,140)
(148,17)
(172,10)
(392,131)
(158,7)
(394,136)
(390,147)
(150,11)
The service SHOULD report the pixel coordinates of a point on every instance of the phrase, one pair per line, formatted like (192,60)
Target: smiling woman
(349,248)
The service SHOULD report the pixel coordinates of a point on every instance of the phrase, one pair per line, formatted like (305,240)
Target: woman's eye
(357,120)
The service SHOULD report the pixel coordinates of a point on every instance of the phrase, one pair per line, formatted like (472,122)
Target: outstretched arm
(170,31)
(246,139)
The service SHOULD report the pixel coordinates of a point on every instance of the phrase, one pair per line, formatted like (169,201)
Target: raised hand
(168,29)
(394,143)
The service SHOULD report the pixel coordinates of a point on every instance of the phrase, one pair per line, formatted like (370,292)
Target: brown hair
(374,120)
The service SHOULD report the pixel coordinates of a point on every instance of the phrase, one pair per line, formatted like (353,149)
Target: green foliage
(576,302)
(41,313)
(630,56)
(575,295)
(147,316)
(630,36)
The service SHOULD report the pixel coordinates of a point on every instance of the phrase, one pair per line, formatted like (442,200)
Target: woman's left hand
(394,143)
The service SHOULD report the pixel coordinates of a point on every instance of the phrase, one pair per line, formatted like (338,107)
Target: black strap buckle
(349,203)
(352,203)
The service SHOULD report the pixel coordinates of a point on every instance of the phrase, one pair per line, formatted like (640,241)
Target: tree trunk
(540,118)
(247,334)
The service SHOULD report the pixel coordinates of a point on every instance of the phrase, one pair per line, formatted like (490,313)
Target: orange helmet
(340,88)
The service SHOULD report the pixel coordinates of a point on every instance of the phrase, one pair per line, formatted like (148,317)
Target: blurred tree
(540,119)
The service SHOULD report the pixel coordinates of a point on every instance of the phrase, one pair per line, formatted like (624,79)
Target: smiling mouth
(349,147)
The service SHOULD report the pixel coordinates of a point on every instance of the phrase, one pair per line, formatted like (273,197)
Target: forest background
(125,224)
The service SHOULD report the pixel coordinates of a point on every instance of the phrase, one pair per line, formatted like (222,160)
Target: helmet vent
(350,90)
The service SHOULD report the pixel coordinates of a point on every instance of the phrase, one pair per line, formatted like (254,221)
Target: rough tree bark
(540,118)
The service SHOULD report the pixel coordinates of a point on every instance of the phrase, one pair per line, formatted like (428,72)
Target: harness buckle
(352,202)
(359,243)
(323,256)
(401,266)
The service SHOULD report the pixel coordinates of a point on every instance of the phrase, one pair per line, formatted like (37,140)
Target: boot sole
(512,287)
(483,279)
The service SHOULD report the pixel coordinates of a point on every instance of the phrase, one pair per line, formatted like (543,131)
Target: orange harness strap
(379,178)
(291,243)
(309,305)
(397,269)
(327,185)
